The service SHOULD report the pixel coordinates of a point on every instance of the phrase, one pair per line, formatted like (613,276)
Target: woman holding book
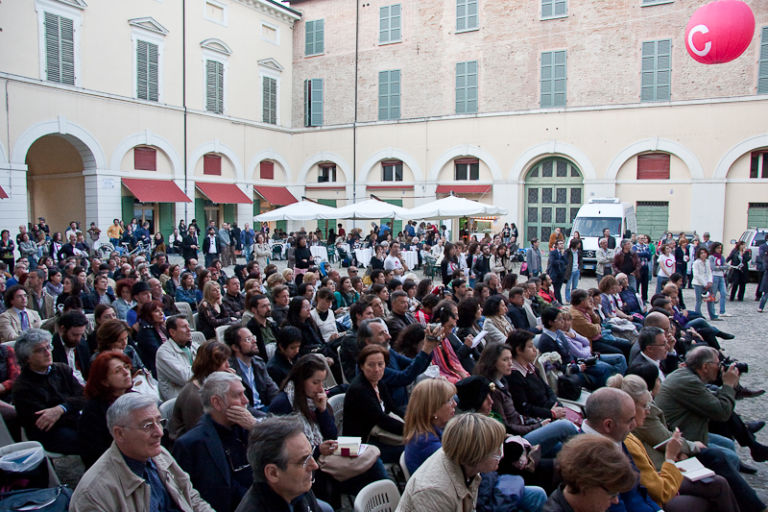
(668,486)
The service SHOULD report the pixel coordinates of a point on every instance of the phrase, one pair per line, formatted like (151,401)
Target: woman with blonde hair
(430,407)
(449,479)
(668,487)
(210,313)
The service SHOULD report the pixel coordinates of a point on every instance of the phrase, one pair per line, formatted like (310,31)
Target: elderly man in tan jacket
(136,473)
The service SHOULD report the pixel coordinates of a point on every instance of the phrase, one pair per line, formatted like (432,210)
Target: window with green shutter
(466,87)
(554,8)
(59,49)
(146,71)
(553,71)
(269,100)
(762,75)
(389,95)
(466,15)
(656,70)
(315,34)
(313,102)
(214,86)
(389,24)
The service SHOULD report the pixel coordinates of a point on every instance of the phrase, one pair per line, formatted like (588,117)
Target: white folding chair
(198,337)
(271,349)
(337,404)
(404,468)
(166,409)
(220,332)
(343,376)
(194,321)
(380,496)
(186,310)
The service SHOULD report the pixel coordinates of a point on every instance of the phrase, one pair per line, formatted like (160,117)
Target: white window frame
(139,34)
(222,6)
(276,28)
(655,2)
(265,73)
(72,10)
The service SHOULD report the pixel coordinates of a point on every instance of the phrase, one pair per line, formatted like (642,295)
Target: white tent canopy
(372,209)
(452,207)
(303,210)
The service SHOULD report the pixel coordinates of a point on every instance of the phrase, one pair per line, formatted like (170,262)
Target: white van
(598,214)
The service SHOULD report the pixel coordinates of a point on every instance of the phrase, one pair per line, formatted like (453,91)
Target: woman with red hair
(108,379)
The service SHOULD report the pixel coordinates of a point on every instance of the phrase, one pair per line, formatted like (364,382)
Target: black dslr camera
(742,367)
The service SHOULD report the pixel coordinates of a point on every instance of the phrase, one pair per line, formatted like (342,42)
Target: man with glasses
(281,458)
(136,473)
(47,396)
(17,318)
(260,389)
(214,451)
(610,412)
(655,345)
(691,405)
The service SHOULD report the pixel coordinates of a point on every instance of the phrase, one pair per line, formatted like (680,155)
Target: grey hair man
(47,396)
(213,452)
(136,473)
(281,458)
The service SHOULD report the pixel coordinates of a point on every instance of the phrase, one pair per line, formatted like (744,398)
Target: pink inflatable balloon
(719,31)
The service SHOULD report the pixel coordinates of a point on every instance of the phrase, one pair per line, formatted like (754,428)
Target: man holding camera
(689,404)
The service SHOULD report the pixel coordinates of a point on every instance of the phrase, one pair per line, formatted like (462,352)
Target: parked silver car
(754,237)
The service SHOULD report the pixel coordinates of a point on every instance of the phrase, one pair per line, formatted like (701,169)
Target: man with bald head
(610,412)
(656,344)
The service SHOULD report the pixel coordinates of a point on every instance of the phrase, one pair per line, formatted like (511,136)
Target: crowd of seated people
(463,379)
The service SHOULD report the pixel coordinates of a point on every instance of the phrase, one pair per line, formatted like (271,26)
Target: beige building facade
(536,106)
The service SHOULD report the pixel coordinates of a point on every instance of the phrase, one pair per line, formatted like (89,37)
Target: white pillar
(14,211)
(708,208)
(244,212)
(180,207)
(102,199)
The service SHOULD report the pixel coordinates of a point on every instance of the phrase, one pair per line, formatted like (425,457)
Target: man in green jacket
(688,403)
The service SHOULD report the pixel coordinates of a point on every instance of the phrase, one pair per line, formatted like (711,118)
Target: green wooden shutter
(553,79)
(466,87)
(656,70)
(256,207)
(652,218)
(762,75)
(229,213)
(314,37)
(389,24)
(757,216)
(147,77)
(282,225)
(214,86)
(466,14)
(59,49)
(397,225)
(551,8)
(126,208)
(269,100)
(313,102)
(167,219)
(325,224)
(389,95)
(200,213)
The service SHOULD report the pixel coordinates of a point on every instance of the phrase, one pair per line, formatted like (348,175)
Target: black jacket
(397,323)
(207,244)
(362,410)
(82,354)
(255,329)
(92,432)
(261,497)
(519,318)
(532,396)
(265,386)
(482,266)
(34,392)
(186,247)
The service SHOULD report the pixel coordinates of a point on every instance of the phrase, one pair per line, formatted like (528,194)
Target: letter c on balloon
(707,47)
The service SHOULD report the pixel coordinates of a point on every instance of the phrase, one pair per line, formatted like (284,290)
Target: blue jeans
(660,282)
(571,284)
(618,361)
(552,436)
(763,300)
(726,446)
(698,290)
(718,285)
(533,499)
(599,373)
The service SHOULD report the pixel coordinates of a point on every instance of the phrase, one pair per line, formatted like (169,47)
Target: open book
(693,470)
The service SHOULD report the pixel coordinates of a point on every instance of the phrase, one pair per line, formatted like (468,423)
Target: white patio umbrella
(452,207)
(303,210)
(372,209)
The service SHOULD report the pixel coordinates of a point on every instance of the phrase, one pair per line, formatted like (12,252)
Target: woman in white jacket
(702,281)
(261,251)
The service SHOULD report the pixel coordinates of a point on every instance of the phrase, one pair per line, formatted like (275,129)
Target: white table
(318,251)
(411,259)
(364,256)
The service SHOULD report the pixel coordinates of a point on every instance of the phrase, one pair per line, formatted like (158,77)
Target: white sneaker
(725,314)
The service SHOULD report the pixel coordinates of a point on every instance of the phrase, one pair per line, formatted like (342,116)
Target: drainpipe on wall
(354,121)
(184,104)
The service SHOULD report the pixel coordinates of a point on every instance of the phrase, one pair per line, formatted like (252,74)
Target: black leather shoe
(725,335)
(754,426)
(743,392)
(748,470)
(759,452)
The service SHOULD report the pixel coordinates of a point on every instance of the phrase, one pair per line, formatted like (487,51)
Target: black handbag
(568,387)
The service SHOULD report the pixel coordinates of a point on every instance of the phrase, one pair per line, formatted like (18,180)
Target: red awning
(223,193)
(463,189)
(155,191)
(3,194)
(276,195)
